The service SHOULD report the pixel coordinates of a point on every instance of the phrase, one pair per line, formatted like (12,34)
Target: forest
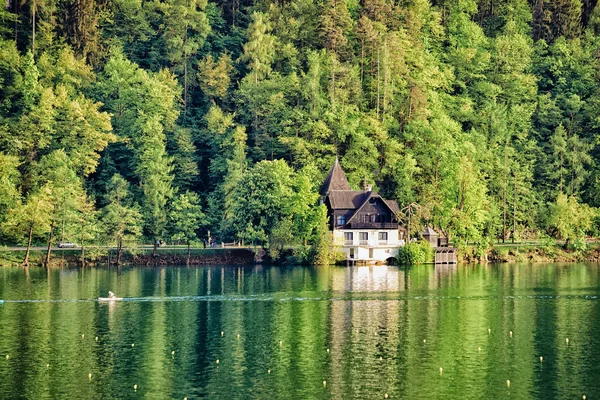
(132,121)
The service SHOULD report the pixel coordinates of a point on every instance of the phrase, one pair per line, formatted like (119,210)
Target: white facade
(369,245)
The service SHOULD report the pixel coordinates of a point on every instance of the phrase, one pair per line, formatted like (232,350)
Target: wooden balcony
(371,225)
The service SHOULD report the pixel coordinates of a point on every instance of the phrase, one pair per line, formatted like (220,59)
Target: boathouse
(364,224)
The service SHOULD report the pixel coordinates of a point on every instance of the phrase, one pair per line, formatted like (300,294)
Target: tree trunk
(188,256)
(47,259)
(333,87)
(26,260)
(16,12)
(155,247)
(385,82)
(410,93)
(362,62)
(514,208)
(185,87)
(504,201)
(82,242)
(119,247)
(378,82)
(33,30)
(185,68)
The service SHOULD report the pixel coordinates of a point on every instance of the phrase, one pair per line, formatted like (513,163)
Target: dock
(445,255)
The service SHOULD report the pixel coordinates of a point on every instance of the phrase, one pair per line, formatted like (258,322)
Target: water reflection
(388,330)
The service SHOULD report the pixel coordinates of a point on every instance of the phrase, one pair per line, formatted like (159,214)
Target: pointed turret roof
(429,232)
(336,180)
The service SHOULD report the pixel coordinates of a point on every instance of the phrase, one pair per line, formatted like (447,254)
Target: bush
(416,253)
(549,246)
(579,245)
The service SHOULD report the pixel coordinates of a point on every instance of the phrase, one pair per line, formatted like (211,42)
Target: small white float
(110,298)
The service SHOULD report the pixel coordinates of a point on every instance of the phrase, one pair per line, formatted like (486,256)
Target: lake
(262,332)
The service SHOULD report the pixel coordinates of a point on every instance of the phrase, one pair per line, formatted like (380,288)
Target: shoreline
(231,256)
(517,253)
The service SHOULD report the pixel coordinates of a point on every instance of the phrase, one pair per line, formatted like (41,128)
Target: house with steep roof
(362,222)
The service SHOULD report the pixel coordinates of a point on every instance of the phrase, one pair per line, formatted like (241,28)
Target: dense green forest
(136,120)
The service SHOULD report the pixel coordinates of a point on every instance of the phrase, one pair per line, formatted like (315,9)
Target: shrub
(416,253)
(579,245)
(549,246)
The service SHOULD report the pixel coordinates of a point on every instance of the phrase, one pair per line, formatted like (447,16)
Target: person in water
(111,295)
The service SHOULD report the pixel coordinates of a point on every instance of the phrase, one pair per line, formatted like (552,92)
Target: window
(340,220)
(363,236)
(348,236)
(383,236)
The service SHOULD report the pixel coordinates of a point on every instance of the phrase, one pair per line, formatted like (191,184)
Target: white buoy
(132,344)
(567,340)
(541,359)
(385,396)
(507,383)
(324,383)
(510,333)
(424,340)
(281,342)
(327,351)
(96,338)
(47,365)
(489,331)
(7,356)
(83,336)
(584,397)
(380,358)
(185,398)
(269,371)
(479,349)
(173,353)
(90,376)
(238,336)
(217,362)
(441,370)
(222,333)
(135,387)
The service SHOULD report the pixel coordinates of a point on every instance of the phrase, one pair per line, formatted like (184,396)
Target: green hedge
(416,253)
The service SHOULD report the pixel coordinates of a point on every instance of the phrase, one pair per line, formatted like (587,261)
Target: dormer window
(340,220)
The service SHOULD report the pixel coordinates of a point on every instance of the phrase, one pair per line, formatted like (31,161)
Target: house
(363,223)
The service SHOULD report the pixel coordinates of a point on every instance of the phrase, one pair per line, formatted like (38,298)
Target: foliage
(484,115)
(185,217)
(416,253)
(120,216)
(569,219)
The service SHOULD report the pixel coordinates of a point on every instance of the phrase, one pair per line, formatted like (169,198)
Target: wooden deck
(445,255)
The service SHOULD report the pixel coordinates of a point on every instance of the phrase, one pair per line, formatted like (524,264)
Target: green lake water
(304,333)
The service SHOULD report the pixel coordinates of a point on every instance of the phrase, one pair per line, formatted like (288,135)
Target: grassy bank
(541,251)
(134,256)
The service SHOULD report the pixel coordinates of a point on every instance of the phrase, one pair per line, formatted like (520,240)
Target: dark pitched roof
(336,180)
(369,195)
(347,199)
(342,197)
(393,205)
